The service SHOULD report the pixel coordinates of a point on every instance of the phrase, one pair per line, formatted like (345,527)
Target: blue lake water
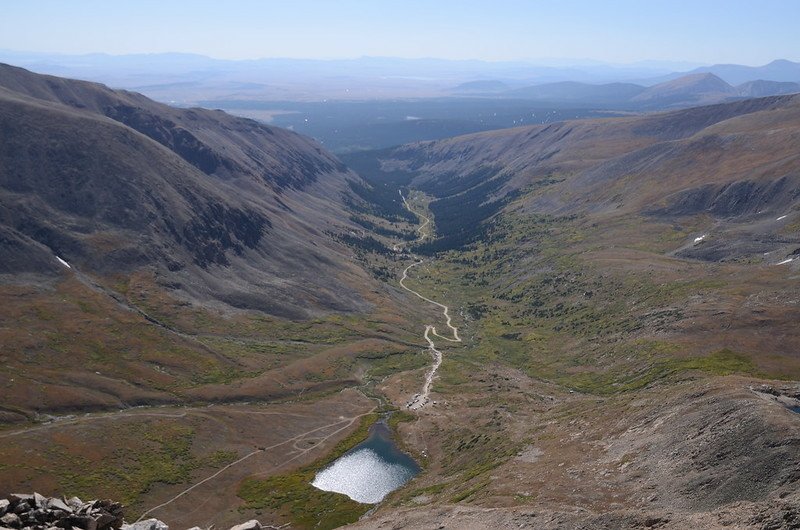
(369,471)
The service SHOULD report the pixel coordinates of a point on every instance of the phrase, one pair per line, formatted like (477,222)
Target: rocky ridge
(24,511)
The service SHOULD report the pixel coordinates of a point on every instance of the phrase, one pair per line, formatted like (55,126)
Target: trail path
(348,422)
(423,398)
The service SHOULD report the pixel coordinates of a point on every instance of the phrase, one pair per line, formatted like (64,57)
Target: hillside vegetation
(625,287)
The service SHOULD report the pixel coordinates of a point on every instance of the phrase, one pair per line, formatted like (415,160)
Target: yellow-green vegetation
(723,362)
(157,452)
(382,365)
(162,348)
(434,489)
(539,295)
(306,506)
(399,417)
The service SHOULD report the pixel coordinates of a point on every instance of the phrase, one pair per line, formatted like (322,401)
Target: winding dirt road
(423,398)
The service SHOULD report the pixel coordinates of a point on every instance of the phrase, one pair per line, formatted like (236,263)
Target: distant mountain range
(181,78)
(688,90)
(736,74)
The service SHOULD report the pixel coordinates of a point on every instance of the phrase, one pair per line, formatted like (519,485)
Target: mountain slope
(693,89)
(628,287)
(761,88)
(125,182)
(153,255)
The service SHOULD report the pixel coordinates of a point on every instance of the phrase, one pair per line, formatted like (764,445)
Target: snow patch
(64,263)
(699,239)
(785,261)
(781,217)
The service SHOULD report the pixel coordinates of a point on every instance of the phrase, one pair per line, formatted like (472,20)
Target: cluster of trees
(380,192)
(460,219)
(463,204)
(454,183)
(382,230)
(365,243)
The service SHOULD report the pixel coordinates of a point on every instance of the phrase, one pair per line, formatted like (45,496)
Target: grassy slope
(583,304)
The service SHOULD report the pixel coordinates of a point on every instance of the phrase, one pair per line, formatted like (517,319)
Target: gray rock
(17,497)
(10,519)
(105,520)
(86,522)
(39,501)
(58,504)
(147,524)
(4,504)
(75,503)
(249,525)
(38,515)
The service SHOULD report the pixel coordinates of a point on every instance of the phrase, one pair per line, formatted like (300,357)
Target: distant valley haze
(471,66)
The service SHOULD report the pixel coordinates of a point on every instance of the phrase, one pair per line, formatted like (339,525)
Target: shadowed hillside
(111,181)
(147,254)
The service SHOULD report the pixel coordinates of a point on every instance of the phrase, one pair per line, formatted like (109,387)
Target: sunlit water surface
(369,471)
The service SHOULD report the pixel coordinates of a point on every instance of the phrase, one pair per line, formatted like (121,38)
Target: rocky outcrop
(23,511)
(35,512)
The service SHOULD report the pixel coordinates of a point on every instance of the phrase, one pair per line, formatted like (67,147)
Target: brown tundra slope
(627,290)
(148,253)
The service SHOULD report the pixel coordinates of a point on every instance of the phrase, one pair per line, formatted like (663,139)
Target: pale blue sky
(710,31)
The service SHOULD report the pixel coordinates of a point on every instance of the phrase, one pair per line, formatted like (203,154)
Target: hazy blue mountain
(735,74)
(688,90)
(572,91)
(159,75)
(760,88)
(489,86)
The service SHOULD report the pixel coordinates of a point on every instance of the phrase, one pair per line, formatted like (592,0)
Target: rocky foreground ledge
(22,511)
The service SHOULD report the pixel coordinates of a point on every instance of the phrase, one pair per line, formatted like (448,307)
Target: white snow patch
(699,239)
(64,263)
(785,261)
(781,217)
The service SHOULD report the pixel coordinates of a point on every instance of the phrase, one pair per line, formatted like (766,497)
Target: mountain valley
(201,311)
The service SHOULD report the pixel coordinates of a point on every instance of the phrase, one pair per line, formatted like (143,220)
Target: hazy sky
(706,31)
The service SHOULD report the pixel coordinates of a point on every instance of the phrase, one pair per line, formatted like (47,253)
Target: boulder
(58,504)
(39,501)
(147,524)
(10,520)
(75,503)
(18,497)
(249,525)
(87,522)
